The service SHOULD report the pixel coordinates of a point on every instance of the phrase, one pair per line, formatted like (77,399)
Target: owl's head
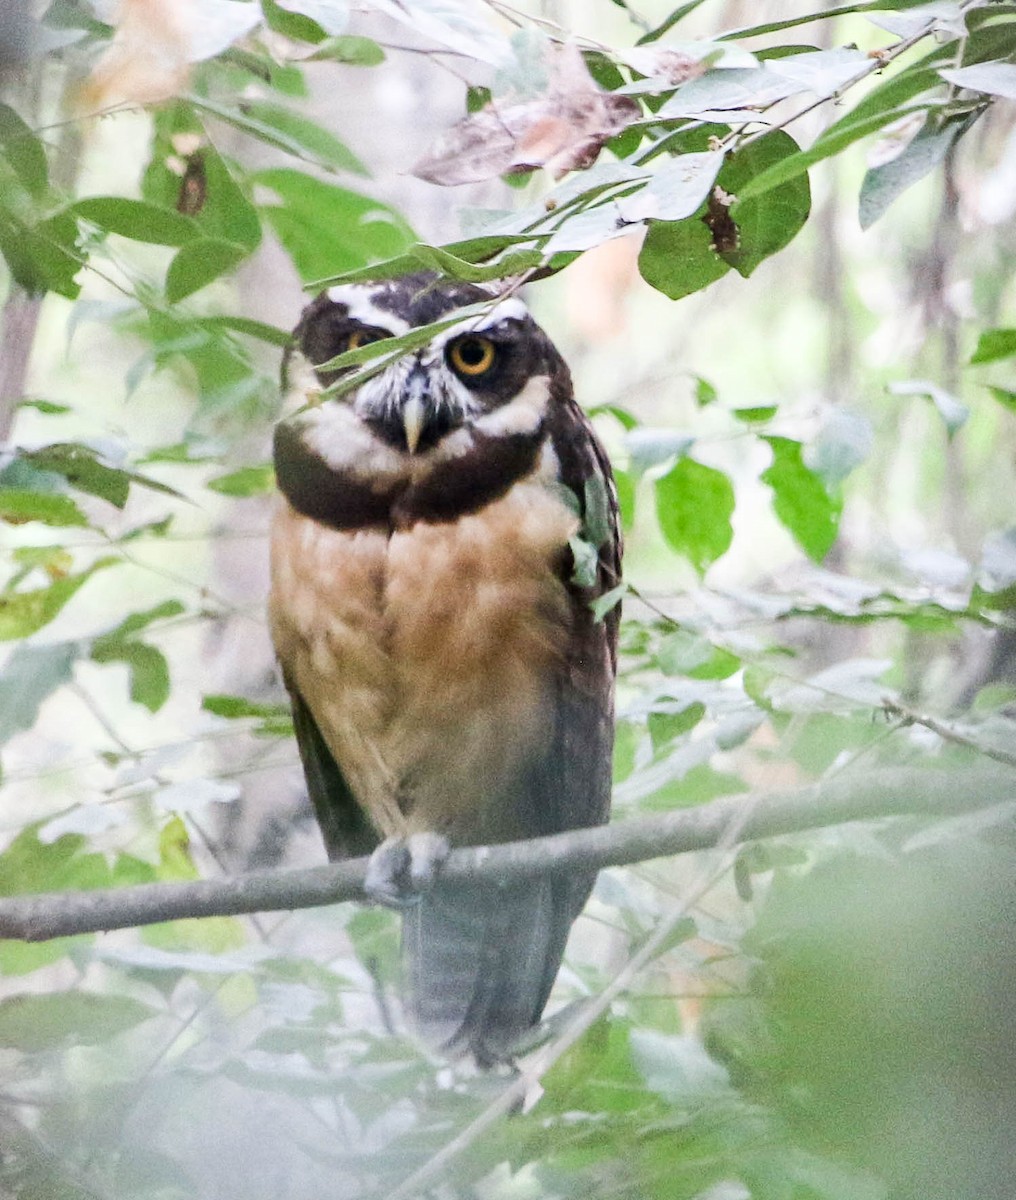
(466,373)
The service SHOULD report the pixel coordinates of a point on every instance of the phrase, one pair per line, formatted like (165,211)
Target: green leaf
(198,264)
(800,499)
(207,190)
(756,415)
(624,481)
(694,504)
(137,219)
(42,257)
(48,407)
(149,671)
(665,726)
(606,603)
(30,675)
(141,620)
(764,225)
(677,257)
(22,613)
(705,392)
(350,49)
(275,719)
(23,151)
(994,344)
(248,481)
(326,229)
(236,708)
(83,469)
(32,1023)
(18,506)
(1006,398)
(836,138)
(689,654)
(286,130)
(271,334)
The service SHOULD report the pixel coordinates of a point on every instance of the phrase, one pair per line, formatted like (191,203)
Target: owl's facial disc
(466,374)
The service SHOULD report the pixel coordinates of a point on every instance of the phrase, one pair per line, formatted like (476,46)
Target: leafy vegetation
(820,584)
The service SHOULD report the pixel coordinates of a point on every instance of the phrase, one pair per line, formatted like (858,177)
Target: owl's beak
(414,405)
(413,414)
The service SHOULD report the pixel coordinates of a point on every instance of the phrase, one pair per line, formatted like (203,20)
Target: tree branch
(841,798)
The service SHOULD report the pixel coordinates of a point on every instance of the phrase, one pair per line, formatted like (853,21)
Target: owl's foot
(401,868)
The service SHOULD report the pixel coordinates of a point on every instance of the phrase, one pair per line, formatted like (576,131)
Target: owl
(441,535)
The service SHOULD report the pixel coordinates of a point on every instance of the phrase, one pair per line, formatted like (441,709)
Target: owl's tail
(480,962)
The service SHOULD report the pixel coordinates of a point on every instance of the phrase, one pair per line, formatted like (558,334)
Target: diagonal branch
(847,797)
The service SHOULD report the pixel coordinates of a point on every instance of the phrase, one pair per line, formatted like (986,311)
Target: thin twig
(948,733)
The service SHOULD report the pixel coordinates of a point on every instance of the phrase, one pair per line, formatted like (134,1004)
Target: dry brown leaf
(147,59)
(156,42)
(562,130)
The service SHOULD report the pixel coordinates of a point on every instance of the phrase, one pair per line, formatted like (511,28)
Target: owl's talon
(401,869)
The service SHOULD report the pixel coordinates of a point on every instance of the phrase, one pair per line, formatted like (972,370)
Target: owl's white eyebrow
(361,307)
(504,310)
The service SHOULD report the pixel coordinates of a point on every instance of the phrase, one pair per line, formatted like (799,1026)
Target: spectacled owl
(441,535)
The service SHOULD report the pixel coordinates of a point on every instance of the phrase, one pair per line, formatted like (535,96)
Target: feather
(462,684)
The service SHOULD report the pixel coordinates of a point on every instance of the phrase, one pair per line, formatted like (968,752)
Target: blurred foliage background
(805,382)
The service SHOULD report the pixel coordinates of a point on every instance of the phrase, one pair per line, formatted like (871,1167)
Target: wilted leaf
(994,78)
(187,794)
(452,23)
(883,183)
(800,499)
(676,190)
(562,130)
(30,675)
(727,89)
(952,412)
(649,447)
(694,504)
(843,444)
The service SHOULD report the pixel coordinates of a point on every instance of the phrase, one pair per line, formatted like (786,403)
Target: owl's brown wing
(344,826)
(482,959)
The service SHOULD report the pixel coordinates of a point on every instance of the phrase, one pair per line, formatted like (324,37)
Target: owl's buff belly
(427,657)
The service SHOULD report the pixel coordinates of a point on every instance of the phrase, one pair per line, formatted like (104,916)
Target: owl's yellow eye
(472,355)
